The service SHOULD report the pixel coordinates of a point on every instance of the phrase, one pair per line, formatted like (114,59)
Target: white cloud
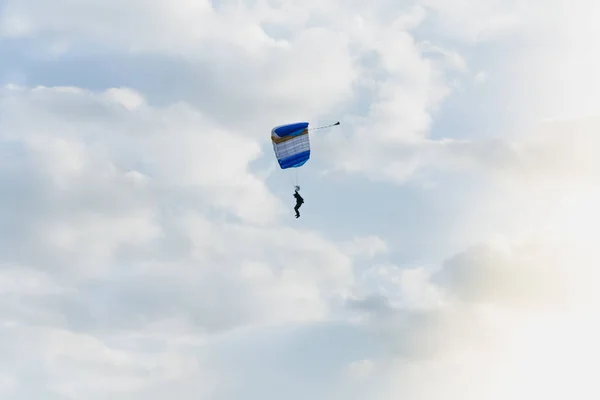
(360,369)
(481,77)
(126,218)
(369,246)
(101,142)
(321,60)
(74,365)
(473,20)
(278,75)
(518,320)
(96,215)
(141,256)
(522,296)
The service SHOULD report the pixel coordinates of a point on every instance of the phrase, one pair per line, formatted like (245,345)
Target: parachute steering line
(323,127)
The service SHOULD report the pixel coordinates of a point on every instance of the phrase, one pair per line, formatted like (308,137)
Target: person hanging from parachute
(299,201)
(292,149)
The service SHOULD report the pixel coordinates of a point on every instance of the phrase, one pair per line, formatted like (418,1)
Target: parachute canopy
(291,144)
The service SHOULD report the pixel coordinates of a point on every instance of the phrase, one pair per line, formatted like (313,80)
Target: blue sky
(149,249)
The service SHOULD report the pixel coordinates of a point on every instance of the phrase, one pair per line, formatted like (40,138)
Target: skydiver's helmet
(297,188)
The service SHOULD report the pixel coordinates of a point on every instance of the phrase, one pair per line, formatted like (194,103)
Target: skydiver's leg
(296,209)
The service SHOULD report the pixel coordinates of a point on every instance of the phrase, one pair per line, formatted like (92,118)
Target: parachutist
(299,201)
(291,145)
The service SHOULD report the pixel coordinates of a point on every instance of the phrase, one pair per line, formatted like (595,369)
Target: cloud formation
(146,253)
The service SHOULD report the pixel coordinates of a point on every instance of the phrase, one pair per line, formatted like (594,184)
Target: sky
(446,249)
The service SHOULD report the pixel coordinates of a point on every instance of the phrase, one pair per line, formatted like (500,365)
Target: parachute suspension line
(293,177)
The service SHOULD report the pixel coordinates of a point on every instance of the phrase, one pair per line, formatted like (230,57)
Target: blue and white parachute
(291,144)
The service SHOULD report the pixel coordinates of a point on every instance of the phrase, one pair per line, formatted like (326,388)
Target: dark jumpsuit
(299,201)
